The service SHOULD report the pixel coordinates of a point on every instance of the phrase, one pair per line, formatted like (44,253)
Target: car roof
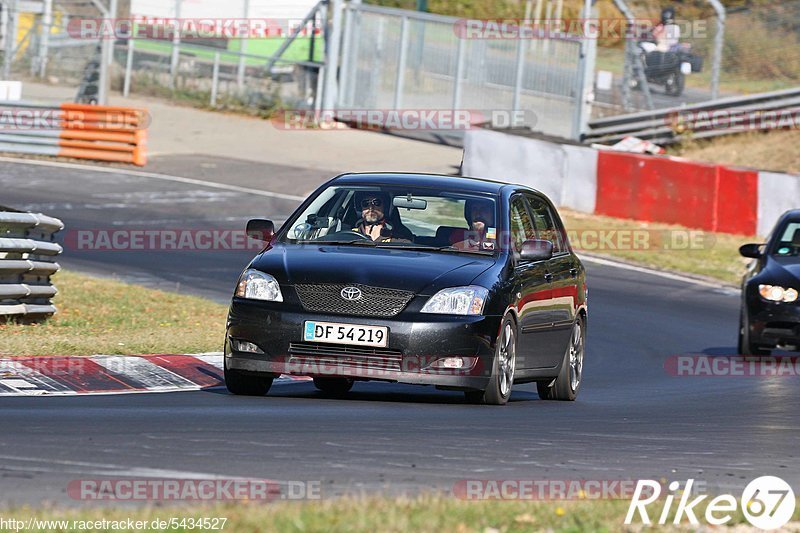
(438,181)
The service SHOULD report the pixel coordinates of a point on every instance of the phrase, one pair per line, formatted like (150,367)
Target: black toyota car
(461,283)
(770,315)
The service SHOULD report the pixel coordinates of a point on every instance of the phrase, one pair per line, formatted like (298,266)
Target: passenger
(482,234)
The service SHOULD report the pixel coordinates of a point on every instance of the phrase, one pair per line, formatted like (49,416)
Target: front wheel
(505,360)
(246,384)
(746,347)
(565,386)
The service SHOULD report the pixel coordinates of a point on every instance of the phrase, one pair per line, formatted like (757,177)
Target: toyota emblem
(351,293)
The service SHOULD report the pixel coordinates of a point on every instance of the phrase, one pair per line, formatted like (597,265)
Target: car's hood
(786,268)
(418,271)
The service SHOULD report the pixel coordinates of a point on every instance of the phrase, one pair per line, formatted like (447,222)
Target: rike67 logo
(767,503)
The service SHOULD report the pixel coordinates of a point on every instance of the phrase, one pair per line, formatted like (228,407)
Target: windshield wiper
(354,241)
(431,248)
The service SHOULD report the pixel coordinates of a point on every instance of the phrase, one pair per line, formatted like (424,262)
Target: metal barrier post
(126,87)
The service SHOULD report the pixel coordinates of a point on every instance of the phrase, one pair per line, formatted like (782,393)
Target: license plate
(351,334)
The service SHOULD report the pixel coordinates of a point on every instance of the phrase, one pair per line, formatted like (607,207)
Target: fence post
(243,50)
(459,75)
(719,43)
(44,41)
(215,80)
(519,74)
(401,64)
(176,45)
(586,65)
(332,60)
(126,87)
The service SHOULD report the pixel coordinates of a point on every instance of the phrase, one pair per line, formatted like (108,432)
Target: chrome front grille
(374,301)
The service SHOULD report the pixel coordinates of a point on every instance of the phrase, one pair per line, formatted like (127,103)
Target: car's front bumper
(416,341)
(774,324)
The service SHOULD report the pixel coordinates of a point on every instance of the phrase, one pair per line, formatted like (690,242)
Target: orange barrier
(104,133)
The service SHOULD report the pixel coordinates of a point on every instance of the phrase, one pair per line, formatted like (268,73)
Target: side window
(521,224)
(545,224)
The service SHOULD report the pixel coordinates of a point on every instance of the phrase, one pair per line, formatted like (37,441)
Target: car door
(532,291)
(563,270)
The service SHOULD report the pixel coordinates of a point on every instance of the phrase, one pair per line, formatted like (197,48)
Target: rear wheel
(502,379)
(334,386)
(675,83)
(565,386)
(243,384)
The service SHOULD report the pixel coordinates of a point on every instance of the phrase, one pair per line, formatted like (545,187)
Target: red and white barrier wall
(641,187)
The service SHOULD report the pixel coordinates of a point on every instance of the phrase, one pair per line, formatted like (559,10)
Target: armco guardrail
(27,260)
(719,117)
(102,133)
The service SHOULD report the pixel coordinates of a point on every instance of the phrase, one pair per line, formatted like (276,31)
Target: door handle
(548,277)
(573,272)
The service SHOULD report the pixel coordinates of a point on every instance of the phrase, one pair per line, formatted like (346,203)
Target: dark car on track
(461,283)
(770,315)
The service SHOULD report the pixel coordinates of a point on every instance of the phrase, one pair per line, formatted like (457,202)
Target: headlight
(457,301)
(776,293)
(256,285)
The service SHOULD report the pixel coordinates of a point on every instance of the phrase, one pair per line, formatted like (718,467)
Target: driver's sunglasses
(375,202)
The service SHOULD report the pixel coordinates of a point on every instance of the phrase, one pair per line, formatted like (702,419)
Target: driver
(373,207)
(667,34)
(482,233)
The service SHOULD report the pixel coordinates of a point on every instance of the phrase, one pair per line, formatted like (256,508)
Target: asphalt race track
(632,420)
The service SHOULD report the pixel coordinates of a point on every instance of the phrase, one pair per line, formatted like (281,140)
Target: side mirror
(752,250)
(260,229)
(536,250)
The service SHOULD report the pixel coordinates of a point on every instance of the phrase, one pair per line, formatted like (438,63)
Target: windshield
(788,243)
(408,217)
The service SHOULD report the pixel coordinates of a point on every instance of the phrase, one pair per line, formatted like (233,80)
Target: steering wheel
(343,235)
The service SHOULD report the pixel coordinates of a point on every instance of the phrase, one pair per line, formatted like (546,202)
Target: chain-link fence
(397,59)
(760,52)
(213,76)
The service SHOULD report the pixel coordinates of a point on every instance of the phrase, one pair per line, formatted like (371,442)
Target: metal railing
(27,261)
(725,116)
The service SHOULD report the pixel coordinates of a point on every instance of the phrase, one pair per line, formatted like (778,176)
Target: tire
(746,347)
(243,384)
(566,386)
(675,84)
(334,386)
(503,366)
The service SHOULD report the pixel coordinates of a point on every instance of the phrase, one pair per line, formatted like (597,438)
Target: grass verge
(421,514)
(101,316)
(669,247)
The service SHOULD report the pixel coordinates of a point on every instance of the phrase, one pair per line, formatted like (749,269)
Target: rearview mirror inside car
(751,250)
(409,203)
(260,229)
(536,250)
